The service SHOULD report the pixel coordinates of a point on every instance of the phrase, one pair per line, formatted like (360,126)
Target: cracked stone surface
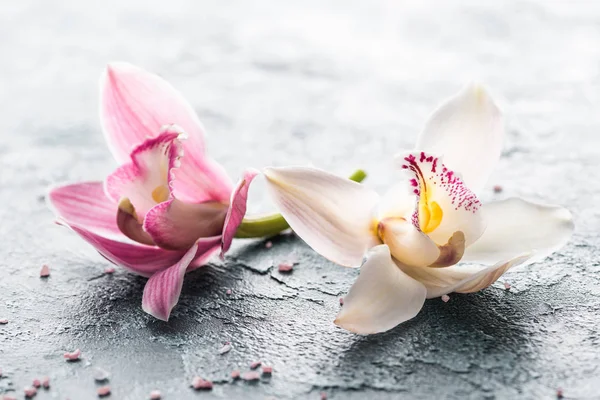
(341,85)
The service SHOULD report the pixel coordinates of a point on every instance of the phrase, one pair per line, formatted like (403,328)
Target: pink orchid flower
(168,207)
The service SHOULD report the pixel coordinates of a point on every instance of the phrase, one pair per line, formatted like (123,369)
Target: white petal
(468,131)
(461,278)
(333,215)
(445,205)
(399,201)
(516,226)
(408,244)
(382,297)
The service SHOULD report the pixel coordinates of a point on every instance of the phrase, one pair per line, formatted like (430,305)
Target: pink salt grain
(323,396)
(445,298)
(109,270)
(497,189)
(341,301)
(269,244)
(155,395)
(74,356)
(201,384)
(255,364)
(251,376)
(45,271)
(267,370)
(235,374)
(9,397)
(228,292)
(3,321)
(507,286)
(30,392)
(36,383)
(286,267)
(46,382)
(103,391)
(559,393)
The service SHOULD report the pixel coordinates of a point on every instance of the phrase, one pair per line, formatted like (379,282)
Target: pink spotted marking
(428,170)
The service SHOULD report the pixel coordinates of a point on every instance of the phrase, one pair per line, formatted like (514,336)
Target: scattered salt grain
(269,244)
(9,397)
(46,382)
(286,267)
(559,393)
(341,301)
(36,383)
(251,376)
(74,356)
(235,374)
(323,396)
(109,270)
(445,298)
(30,392)
(228,292)
(103,391)
(3,321)
(155,395)
(100,375)
(201,384)
(497,189)
(225,349)
(507,286)
(255,364)
(45,271)
(267,370)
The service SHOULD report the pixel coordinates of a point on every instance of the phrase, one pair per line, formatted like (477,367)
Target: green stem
(273,224)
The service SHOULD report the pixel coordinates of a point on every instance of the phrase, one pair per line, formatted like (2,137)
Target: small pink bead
(36,383)
(155,395)
(269,244)
(286,267)
(228,292)
(267,370)
(507,286)
(445,298)
(201,384)
(235,374)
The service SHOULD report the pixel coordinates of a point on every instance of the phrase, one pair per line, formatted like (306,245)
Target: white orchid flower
(422,228)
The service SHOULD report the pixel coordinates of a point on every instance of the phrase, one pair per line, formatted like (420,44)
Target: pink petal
(86,205)
(145,180)
(163,288)
(177,225)
(237,209)
(135,105)
(140,259)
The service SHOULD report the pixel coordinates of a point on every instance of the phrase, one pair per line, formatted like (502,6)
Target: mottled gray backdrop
(339,84)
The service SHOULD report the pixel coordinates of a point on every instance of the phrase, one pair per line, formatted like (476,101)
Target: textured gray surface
(342,85)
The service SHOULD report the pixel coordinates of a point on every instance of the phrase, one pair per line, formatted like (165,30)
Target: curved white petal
(461,278)
(333,215)
(408,244)
(445,205)
(399,201)
(467,130)
(516,226)
(382,297)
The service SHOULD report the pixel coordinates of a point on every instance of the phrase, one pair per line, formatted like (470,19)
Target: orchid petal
(461,278)
(408,244)
(237,209)
(140,259)
(129,225)
(445,205)
(332,214)
(516,226)
(86,205)
(145,181)
(468,131)
(135,105)
(399,201)
(163,289)
(382,297)
(177,225)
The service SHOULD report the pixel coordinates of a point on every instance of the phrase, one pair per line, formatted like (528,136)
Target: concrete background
(340,84)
